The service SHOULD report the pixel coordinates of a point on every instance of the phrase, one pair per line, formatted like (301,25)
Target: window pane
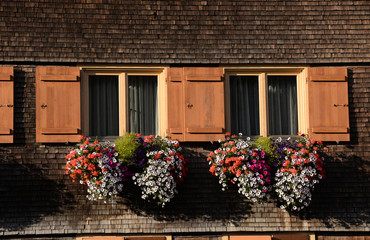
(143,108)
(282,99)
(103,105)
(244,105)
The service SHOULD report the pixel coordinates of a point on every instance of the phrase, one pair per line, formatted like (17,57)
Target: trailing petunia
(300,169)
(165,168)
(287,169)
(237,162)
(97,165)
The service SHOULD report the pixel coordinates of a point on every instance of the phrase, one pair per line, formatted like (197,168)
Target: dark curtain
(103,106)
(282,100)
(244,105)
(143,104)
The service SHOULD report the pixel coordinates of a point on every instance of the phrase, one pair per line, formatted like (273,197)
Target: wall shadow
(199,196)
(342,199)
(26,196)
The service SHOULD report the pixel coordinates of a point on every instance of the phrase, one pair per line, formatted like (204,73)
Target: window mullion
(85,104)
(263,108)
(123,95)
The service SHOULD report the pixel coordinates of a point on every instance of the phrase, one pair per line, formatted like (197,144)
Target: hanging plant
(237,162)
(164,169)
(97,165)
(300,169)
(154,164)
(287,169)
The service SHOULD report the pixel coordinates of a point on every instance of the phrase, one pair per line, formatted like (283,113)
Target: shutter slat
(58,131)
(203,74)
(5,131)
(175,74)
(175,130)
(320,74)
(204,130)
(5,77)
(59,78)
(330,130)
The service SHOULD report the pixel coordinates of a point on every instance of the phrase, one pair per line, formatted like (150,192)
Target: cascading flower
(300,169)
(155,164)
(97,165)
(237,162)
(165,168)
(289,172)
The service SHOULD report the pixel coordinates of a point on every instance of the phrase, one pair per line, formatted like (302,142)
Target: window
(265,103)
(203,102)
(116,101)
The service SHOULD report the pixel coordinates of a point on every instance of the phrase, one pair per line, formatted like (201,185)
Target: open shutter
(175,124)
(204,104)
(57,104)
(195,104)
(6,104)
(328,103)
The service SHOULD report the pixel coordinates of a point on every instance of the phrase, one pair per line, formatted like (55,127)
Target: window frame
(123,74)
(263,73)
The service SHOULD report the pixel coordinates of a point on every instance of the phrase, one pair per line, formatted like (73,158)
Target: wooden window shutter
(204,104)
(175,99)
(6,105)
(196,104)
(328,103)
(57,104)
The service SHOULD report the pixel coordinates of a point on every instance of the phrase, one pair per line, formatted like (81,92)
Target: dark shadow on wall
(352,117)
(200,196)
(343,198)
(26,196)
(20,89)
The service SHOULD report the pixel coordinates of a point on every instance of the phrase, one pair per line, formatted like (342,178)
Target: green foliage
(126,146)
(266,144)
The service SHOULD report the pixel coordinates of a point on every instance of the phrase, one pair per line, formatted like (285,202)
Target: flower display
(97,165)
(165,169)
(237,162)
(288,172)
(300,169)
(154,164)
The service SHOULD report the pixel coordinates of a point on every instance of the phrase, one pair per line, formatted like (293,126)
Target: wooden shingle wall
(38,199)
(186,32)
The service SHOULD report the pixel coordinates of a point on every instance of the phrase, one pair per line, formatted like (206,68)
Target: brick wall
(37,199)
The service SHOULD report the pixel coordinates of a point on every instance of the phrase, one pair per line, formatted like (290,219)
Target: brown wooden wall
(37,199)
(185,32)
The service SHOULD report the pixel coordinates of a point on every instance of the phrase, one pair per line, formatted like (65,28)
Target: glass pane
(143,108)
(103,106)
(282,100)
(244,105)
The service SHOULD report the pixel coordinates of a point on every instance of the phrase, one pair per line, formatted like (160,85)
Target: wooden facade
(48,47)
